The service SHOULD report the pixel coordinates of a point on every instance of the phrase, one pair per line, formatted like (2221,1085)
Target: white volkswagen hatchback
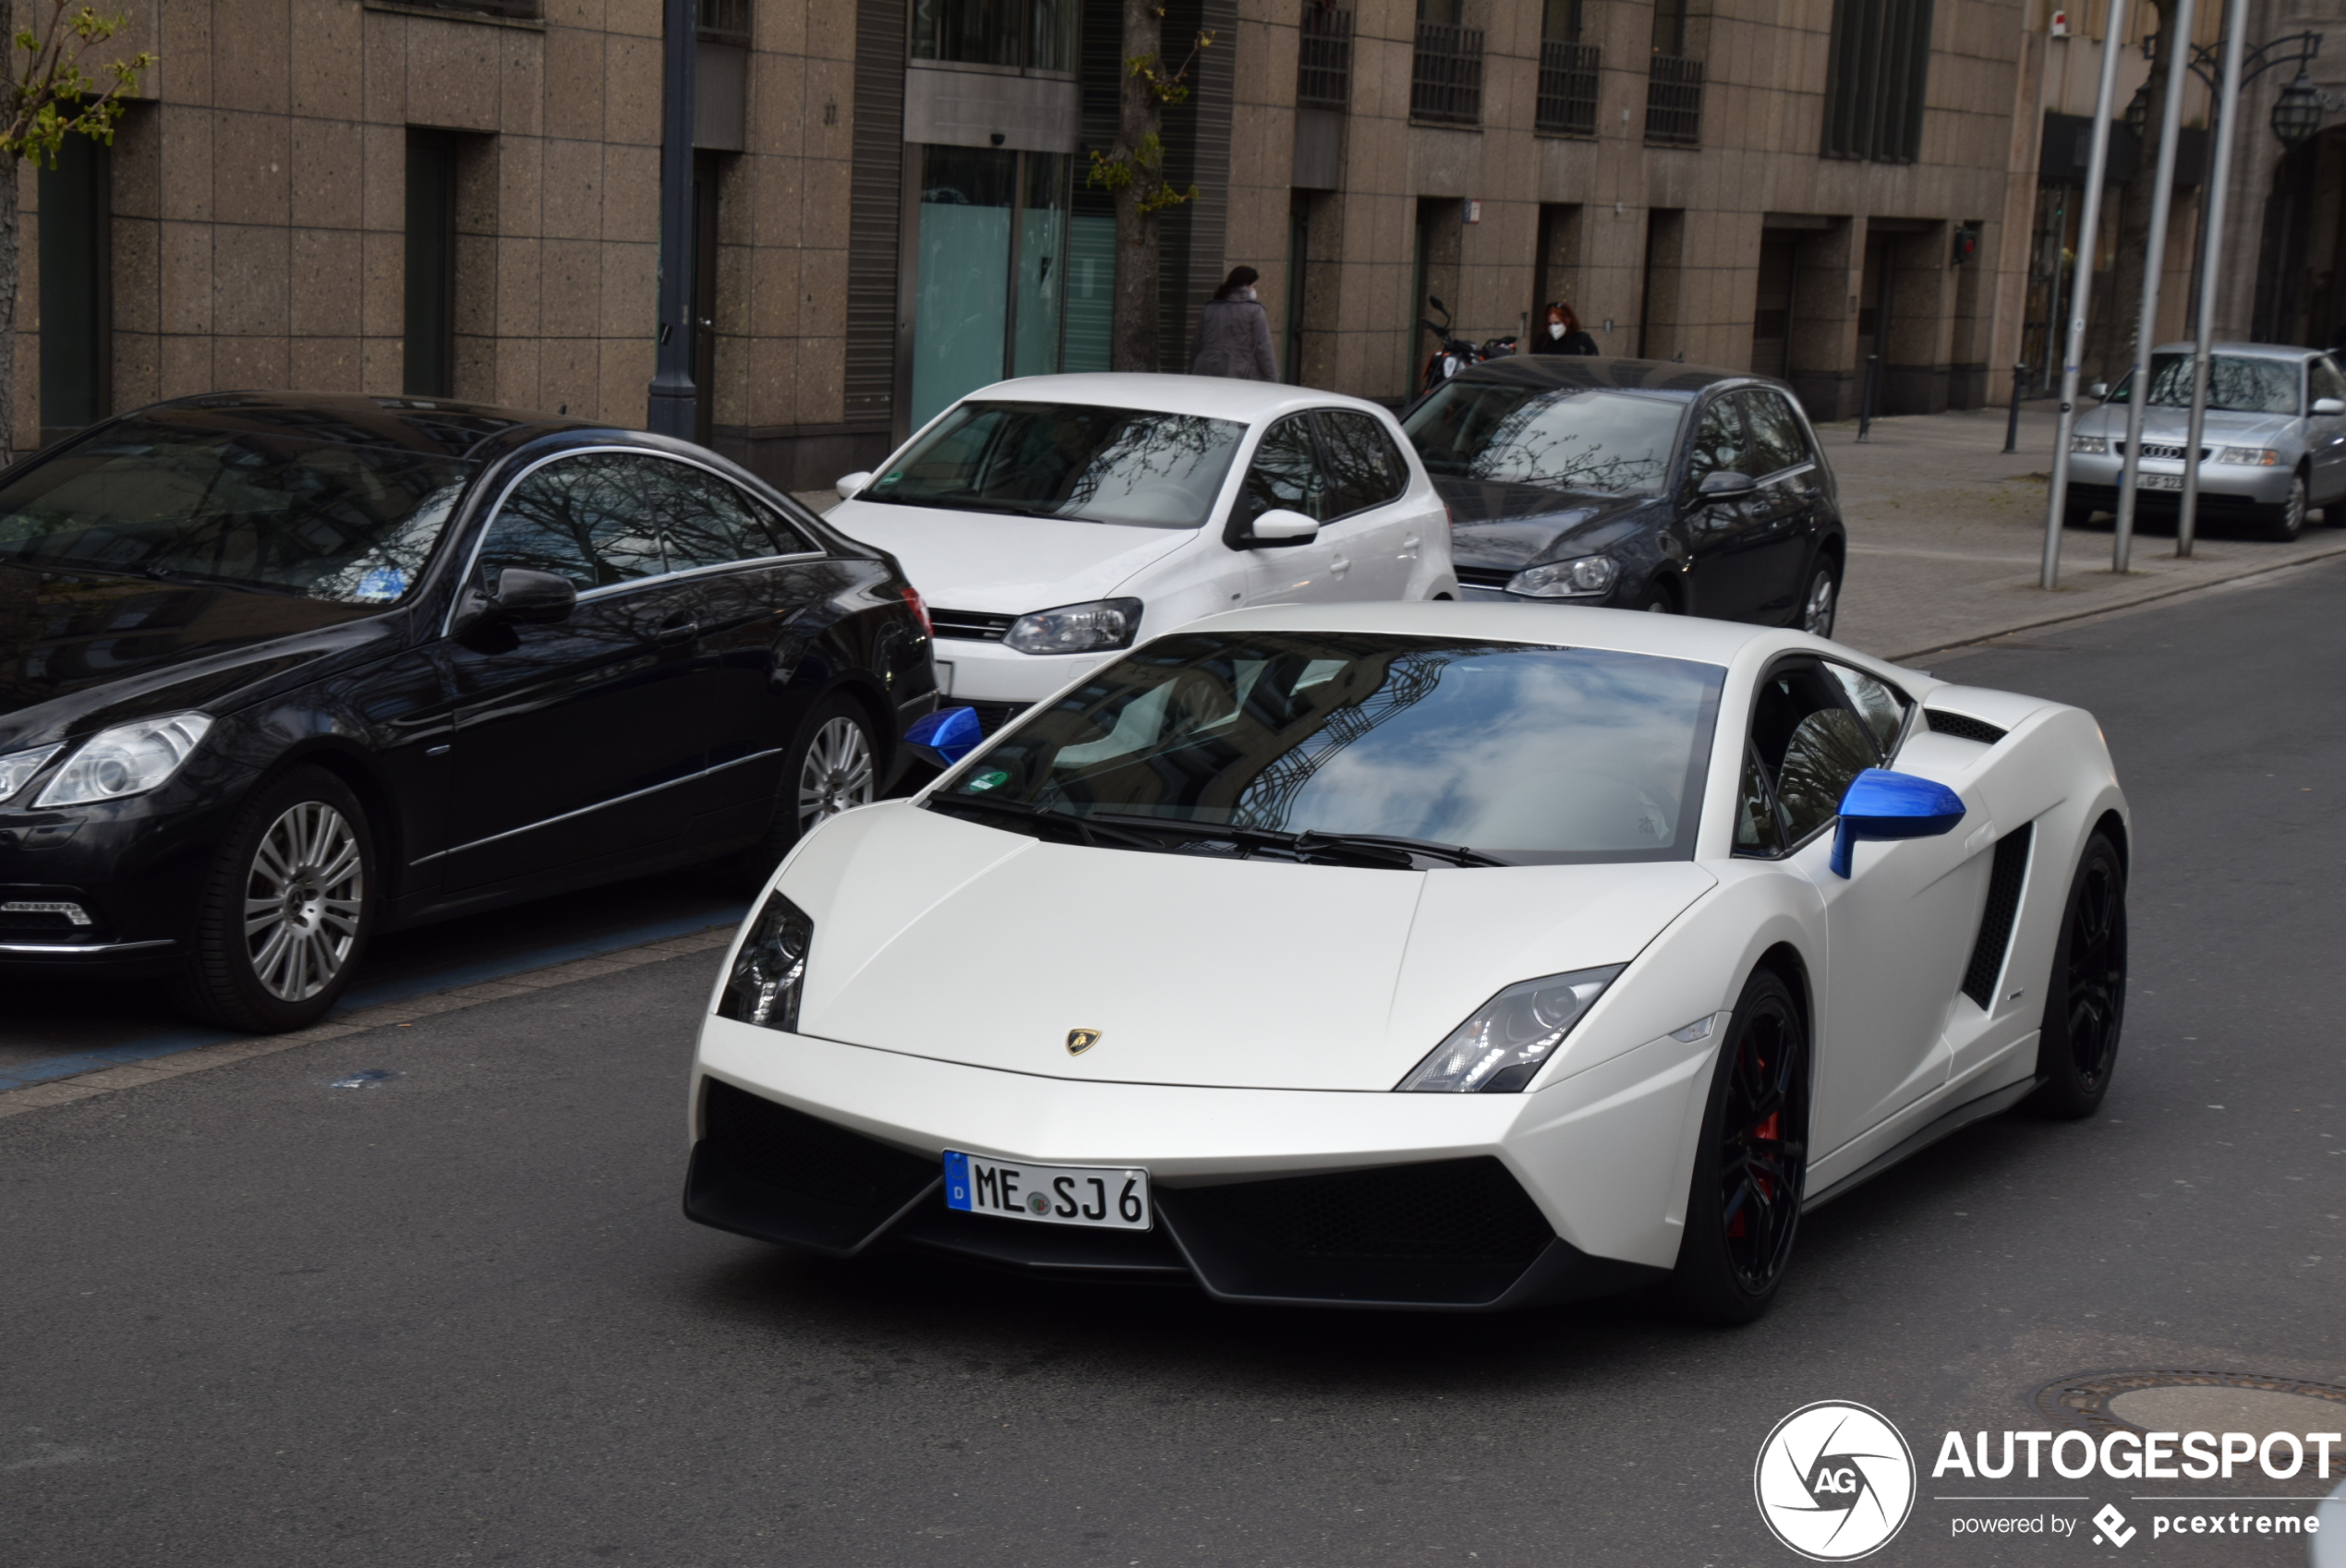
(1053,521)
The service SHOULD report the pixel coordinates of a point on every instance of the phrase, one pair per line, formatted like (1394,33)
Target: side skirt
(1995,1102)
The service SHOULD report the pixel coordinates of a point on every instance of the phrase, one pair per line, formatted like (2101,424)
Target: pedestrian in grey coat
(1234,332)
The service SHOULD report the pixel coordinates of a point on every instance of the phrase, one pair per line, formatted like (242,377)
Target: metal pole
(2162,201)
(1865,408)
(2081,294)
(673,396)
(2011,423)
(2219,180)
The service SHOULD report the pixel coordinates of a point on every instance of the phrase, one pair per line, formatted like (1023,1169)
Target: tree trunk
(1134,338)
(2115,339)
(11,275)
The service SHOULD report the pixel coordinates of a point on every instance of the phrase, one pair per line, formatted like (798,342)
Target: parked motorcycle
(1451,354)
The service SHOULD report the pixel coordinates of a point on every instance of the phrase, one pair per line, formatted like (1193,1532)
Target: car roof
(1662,376)
(2243,350)
(441,426)
(1213,397)
(1624,631)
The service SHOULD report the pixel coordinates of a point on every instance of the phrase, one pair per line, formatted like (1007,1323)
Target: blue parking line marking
(48,1071)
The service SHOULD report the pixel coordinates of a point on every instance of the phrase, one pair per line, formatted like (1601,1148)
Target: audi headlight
(1498,1049)
(17,767)
(2093,446)
(128,759)
(770,970)
(1586,577)
(2254,456)
(1076,628)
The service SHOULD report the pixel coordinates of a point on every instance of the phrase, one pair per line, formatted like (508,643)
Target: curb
(105,1080)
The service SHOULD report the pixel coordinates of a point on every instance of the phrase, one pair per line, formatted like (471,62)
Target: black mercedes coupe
(280,671)
(1635,484)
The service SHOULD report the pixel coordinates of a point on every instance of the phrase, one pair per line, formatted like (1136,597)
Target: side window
(1719,445)
(1363,468)
(584,518)
(705,521)
(1756,832)
(1810,744)
(2327,381)
(1883,709)
(1777,442)
(1286,473)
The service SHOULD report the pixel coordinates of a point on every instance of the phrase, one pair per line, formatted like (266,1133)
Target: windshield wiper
(1080,828)
(972,504)
(213,579)
(1380,849)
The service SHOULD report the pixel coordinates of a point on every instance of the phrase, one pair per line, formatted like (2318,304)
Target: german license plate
(1101,1196)
(2158,481)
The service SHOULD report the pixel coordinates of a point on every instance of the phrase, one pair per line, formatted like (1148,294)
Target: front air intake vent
(1961,727)
(766,1170)
(971,625)
(2005,882)
(1486,576)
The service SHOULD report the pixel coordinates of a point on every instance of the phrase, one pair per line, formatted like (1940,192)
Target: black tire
(819,781)
(286,912)
(1657,598)
(2086,999)
(2077,516)
(2286,520)
(1750,1169)
(1820,604)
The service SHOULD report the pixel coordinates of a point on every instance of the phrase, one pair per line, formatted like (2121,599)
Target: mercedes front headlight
(17,767)
(1095,627)
(128,759)
(1585,577)
(2093,446)
(1498,1049)
(770,970)
(2254,456)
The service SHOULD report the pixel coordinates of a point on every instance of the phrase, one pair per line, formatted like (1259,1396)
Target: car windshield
(1528,754)
(2235,384)
(1076,460)
(1571,438)
(287,513)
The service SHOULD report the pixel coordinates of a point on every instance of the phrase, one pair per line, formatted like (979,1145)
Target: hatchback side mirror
(1726,485)
(2328,405)
(946,736)
(1881,805)
(2098,389)
(850,483)
(1280,527)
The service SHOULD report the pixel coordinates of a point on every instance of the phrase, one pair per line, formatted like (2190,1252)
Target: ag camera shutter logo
(1834,1481)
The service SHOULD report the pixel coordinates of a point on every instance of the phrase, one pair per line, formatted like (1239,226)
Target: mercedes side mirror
(946,736)
(521,595)
(2328,405)
(1881,805)
(1726,485)
(1280,527)
(850,484)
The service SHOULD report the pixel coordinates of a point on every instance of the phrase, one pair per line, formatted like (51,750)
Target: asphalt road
(253,1320)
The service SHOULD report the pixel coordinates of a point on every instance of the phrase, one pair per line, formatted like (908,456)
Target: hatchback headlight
(1498,1049)
(2093,446)
(128,759)
(1076,628)
(17,767)
(2254,456)
(770,970)
(1585,577)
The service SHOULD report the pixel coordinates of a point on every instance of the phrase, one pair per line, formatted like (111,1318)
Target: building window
(1567,101)
(432,265)
(725,21)
(1874,84)
(1324,57)
(1039,35)
(75,346)
(516,10)
(1445,85)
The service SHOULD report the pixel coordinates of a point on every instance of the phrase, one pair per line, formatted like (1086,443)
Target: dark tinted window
(704,521)
(1076,460)
(1364,467)
(1777,440)
(2235,384)
(1573,437)
(2325,380)
(1285,475)
(1718,446)
(590,519)
(1756,832)
(1810,744)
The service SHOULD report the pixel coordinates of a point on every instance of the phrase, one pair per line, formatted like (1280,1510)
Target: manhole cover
(2183,1401)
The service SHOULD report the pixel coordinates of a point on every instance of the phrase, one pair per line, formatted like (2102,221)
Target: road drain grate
(2086,1400)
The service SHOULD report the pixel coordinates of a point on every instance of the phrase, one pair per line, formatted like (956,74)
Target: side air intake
(2004,880)
(1961,727)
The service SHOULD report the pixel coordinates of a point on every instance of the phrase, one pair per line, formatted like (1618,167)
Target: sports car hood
(940,937)
(1002,565)
(1498,524)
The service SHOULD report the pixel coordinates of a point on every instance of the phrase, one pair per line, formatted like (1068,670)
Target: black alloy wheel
(1657,598)
(2286,519)
(832,765)
(286,912)
(1821,605)
(1751,1168)
(2085,1006)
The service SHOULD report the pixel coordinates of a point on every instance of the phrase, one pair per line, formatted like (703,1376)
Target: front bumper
(1448,1202)
(985,671)
(2094,477)
(132,867)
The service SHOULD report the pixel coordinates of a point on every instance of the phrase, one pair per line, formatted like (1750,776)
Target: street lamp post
(2147,325)
(2296,115)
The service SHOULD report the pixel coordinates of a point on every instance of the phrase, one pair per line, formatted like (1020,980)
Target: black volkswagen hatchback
(278,673)
(1635,484)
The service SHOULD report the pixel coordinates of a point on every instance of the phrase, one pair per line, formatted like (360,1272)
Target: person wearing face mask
(1234,332)
(1561,334)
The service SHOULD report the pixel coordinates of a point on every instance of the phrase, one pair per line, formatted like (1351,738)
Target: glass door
(991,289)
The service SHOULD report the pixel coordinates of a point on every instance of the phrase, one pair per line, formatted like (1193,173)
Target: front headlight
(17,767)
(1076,628)
(770,970)
(1498,1049)
(2093,446)
(128,759)
(1588,576)
(2254,456)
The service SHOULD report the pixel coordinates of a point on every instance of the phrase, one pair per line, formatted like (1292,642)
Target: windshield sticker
(986,780)
(384,583)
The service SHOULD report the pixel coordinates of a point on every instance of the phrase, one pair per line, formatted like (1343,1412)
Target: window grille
(1324,58)
(1446,86)
(1673,101)
(1568,88)
(725,21)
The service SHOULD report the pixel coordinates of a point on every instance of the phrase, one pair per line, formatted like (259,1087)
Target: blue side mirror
(946,736)
(1882,804)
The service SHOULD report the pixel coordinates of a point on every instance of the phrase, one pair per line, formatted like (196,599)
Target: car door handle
(681,631)
(1340,564)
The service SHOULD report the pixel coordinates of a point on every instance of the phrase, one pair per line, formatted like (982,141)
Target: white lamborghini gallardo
(1421,955)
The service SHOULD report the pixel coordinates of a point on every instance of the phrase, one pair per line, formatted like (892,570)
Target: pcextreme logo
(1834,1481)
